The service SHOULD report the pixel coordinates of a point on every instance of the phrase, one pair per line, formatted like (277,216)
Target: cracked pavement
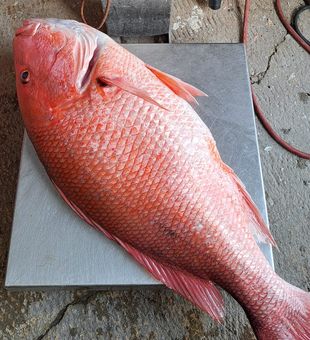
(84,299)
(257,78)
(279,70)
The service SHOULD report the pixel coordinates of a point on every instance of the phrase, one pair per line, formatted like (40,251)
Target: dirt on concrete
(280,75)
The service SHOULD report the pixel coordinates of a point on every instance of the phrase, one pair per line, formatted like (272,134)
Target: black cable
(215,4)
(295,19)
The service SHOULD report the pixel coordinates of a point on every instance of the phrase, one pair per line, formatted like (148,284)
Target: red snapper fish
(126,150)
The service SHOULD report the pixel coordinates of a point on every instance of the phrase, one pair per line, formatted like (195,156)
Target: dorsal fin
(258,226)
(201,293)
(178,86)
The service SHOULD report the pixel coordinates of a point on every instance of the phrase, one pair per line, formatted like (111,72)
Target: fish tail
(291,319)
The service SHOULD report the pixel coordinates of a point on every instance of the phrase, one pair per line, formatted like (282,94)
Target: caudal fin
(290,322)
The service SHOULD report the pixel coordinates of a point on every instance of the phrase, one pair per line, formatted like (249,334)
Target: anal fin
(202,293)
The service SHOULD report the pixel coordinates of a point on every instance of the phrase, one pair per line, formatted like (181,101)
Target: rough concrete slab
(279,72)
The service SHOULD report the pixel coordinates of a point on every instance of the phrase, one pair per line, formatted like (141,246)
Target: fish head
(53,60)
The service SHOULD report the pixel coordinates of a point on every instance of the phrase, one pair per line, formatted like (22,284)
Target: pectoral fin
(131,88)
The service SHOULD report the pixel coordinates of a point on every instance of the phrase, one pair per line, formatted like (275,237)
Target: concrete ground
(280,74)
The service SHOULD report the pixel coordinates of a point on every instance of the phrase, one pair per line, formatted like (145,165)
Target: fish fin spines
(178,86)
(257,223)
(201,293)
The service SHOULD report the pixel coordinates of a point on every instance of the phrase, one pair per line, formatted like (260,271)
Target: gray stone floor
(280,73)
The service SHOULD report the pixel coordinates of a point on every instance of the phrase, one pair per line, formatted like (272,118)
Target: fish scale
(131,157)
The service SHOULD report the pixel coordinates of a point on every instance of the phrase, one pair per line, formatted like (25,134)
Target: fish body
(126,150)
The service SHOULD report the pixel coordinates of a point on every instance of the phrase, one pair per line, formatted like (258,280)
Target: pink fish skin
(132,158)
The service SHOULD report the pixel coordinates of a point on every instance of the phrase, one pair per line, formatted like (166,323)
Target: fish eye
(25,77)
